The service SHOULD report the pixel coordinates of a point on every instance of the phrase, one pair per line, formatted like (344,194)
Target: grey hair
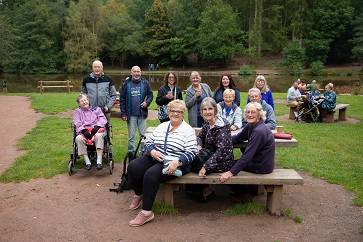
(80,96)
(254,89)
(211,102)
(195,73)
(330,85)
(97,62)
(258,106)
(265,88)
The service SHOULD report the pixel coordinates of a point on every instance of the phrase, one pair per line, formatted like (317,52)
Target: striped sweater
(181,143)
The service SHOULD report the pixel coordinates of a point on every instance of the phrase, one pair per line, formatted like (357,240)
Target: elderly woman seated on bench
(330,98)
(219,156)
(259,156)
(90,126)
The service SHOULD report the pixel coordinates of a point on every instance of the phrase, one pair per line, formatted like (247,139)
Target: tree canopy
(67,35)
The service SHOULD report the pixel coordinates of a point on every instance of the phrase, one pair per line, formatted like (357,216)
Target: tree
(37,30)
(358,39)
(158,32)
(216,32)
(83,42)
(123,36)
(329,19)
(6,41)
(184,23)
(295,57)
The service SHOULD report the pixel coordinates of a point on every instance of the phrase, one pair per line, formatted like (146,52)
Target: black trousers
(145,175)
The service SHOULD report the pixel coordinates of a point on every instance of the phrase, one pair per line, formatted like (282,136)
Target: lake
(278,83)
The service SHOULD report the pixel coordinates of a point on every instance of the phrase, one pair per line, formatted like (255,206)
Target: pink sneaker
(136,201)
(141,219)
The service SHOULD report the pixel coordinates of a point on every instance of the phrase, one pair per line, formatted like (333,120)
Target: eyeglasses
(251,112)
(171,77)
(176,111)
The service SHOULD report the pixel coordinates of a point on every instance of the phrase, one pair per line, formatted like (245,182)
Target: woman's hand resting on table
(225,176)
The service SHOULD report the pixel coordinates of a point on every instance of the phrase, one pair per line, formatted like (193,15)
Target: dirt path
(80,207)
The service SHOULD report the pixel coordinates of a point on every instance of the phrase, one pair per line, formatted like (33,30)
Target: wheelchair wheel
(73,160)
(111,166)
(70,167)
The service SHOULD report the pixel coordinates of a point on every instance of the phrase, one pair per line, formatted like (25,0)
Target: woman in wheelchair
(90,124)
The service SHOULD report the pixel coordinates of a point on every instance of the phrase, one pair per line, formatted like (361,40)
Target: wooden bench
(328,115)
(272,182)
(292,112)
(54,84)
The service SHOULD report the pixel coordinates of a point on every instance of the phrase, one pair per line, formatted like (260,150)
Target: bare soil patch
(81,208)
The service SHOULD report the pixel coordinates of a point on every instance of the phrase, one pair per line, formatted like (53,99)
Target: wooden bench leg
(292,112)
(274,199)
(168,194)
(342,114)
(329,117)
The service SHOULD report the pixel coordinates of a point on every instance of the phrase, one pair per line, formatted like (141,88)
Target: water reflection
(278,83)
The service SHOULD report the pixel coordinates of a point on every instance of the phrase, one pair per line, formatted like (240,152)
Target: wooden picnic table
(278,142)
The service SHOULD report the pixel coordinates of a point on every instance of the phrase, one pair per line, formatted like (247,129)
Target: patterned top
(220,140)
(330,101)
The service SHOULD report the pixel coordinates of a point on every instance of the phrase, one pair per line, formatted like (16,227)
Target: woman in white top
(229,110)
(173,138)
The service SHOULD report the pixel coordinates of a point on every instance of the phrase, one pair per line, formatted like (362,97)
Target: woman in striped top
(174,138)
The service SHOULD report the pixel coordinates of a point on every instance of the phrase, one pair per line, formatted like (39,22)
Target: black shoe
(88,167)
(203,199)
(99,166)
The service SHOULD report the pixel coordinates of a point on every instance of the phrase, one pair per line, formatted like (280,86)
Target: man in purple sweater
(259,156)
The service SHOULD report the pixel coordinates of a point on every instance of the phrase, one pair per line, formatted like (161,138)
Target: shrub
(246,70)
(316,68)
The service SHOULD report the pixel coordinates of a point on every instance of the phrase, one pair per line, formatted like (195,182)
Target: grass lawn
(328,151)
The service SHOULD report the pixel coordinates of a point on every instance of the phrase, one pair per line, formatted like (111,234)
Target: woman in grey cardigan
(194,97)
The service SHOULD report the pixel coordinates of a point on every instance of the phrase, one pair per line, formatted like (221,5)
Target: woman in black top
(168,92)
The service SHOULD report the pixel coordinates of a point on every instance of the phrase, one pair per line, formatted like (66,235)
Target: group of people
(295,94)
(173,149)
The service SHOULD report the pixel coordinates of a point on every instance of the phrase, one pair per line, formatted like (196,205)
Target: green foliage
(125,37)
(216,33)
(316,68)
(158,32)
(246,70)
(82,35)
(160,207)
(53,36)
(298,219)
(275,37)
(35,32)
(246,208)
(287,212)
(358,38)
(294,57)
(329,20)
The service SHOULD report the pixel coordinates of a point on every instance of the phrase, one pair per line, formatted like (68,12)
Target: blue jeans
(140,123)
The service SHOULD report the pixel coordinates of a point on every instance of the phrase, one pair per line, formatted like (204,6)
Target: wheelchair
(91,150)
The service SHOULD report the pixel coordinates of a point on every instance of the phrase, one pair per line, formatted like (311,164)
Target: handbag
(282,136)
(162,115)
(162,112)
